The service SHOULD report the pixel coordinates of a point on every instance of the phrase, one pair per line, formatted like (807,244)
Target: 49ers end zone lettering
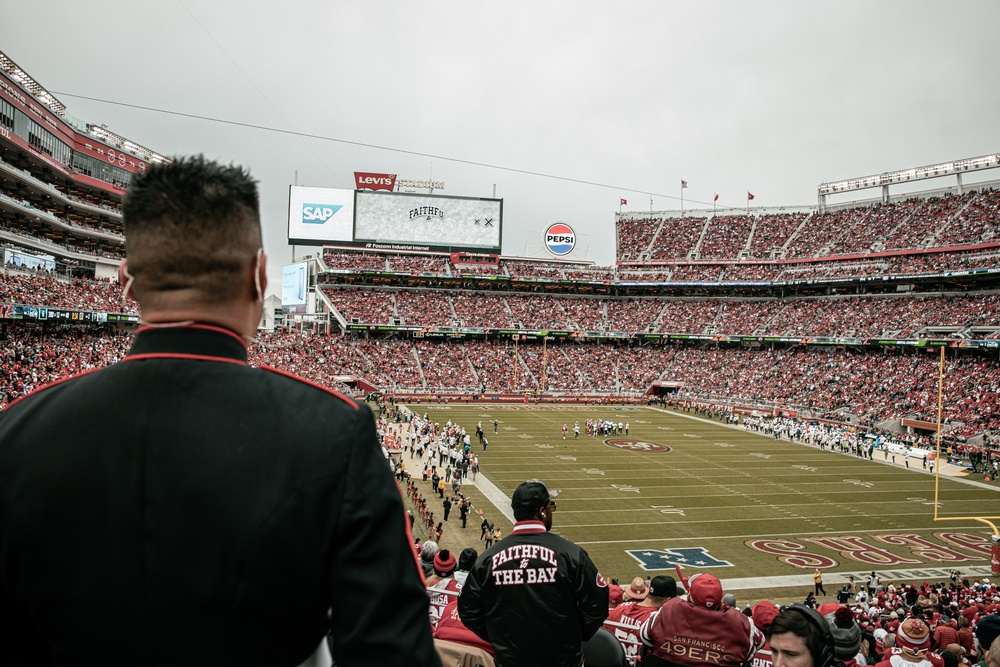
(954,548)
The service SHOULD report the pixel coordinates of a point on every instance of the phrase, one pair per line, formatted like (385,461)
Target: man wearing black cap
(534,595)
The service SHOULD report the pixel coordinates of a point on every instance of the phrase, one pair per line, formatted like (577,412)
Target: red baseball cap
(705,590)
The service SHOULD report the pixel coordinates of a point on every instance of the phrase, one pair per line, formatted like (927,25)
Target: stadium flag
(716,198)
(684,184)
(624,202)
(749,195)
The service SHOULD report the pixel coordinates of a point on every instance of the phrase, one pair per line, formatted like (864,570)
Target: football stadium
(758,394)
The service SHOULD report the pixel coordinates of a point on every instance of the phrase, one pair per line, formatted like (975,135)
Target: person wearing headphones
(800,637)
(183,507)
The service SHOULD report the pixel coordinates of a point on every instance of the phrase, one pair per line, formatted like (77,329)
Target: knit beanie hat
(444,563)
(846,633)
(913,636)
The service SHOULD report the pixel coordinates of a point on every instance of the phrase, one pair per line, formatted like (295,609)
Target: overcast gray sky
(770,97)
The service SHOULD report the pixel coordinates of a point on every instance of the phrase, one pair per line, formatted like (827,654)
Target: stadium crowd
(43,288)
(874,385)
(945,221)
(850,316)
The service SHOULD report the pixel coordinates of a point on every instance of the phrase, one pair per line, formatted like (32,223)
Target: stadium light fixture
(991,161)
(32,86)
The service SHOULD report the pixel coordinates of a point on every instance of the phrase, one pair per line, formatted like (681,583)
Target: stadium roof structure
(884,180)
(101,132)
(32,86)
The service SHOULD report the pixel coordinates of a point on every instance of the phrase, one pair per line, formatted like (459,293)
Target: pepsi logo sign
(636,445)
(560,239)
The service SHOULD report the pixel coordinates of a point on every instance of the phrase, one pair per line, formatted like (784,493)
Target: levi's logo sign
(370,181)
(317,214)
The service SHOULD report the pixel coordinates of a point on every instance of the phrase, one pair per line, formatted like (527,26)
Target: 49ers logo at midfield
(637,445)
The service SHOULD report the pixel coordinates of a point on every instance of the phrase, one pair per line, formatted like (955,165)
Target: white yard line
(493,494)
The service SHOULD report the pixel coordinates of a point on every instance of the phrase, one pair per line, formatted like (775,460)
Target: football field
(755,511)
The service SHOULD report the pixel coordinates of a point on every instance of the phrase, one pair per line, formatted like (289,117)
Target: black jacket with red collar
(182,507)
(536,597)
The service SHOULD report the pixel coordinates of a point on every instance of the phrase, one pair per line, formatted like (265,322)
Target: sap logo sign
(560,238)
(317,214)
(693,557)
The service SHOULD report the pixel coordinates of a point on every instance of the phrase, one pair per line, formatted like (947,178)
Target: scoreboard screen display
(404,221)
(317,216)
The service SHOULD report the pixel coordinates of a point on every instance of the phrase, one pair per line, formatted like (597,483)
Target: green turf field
(746,507)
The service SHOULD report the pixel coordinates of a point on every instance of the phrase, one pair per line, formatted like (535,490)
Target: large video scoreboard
(394,221)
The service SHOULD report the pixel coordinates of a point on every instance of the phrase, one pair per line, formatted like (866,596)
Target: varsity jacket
(689,635)
(536,597)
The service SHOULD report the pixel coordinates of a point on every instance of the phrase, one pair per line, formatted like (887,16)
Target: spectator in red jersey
(699,630)
(943,634)
(965,637)
(441,585)
(763,614)
(913,643)
(451,630)
(625,619)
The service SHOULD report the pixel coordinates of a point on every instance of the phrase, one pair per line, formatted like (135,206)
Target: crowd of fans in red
(872,384)
(41,288)
(848,316)
(951,220)
(750,269)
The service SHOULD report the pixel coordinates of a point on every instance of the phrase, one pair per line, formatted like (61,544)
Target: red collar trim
(529,527)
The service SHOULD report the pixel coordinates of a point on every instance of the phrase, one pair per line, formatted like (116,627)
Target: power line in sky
(321,137)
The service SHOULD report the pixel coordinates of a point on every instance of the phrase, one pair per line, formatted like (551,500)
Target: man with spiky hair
(199,511)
